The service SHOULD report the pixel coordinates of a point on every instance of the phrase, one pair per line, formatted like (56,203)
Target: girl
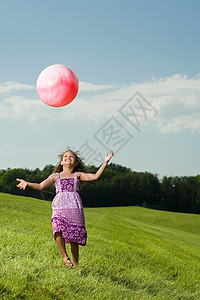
(68,219)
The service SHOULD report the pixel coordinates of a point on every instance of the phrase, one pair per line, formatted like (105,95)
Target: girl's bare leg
(74,247)
(61,245)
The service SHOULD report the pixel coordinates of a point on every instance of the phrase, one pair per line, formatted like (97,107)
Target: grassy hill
(132,253)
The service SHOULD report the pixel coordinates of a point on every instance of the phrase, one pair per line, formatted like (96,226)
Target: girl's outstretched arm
(89,176)
(36,186)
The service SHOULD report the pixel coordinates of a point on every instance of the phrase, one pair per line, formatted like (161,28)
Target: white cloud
(82,109)
(10,86)
(191,122)
(176,98)
(90,87)
(19,107)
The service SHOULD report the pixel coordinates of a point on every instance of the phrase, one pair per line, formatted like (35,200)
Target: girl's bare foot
(68,262)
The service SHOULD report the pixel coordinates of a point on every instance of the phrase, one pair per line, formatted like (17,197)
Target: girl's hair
(80,166)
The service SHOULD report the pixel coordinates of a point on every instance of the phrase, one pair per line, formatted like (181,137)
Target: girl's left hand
(108,157)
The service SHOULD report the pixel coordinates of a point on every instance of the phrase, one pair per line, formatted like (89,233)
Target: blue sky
(128,55)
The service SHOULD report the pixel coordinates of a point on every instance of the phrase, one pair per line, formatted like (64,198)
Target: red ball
(57,85)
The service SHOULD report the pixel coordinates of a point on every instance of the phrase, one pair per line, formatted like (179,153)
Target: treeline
(8,182)
(118,186)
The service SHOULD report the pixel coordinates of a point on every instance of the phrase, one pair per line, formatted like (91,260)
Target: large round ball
(57,85)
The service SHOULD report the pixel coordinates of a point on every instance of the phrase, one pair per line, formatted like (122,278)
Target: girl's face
(68,159)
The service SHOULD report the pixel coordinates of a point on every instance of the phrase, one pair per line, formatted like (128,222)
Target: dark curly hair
(80,166)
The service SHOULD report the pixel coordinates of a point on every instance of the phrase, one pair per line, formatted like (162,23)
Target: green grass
(132,253)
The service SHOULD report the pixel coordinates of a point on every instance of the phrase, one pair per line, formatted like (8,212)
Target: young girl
(68,219)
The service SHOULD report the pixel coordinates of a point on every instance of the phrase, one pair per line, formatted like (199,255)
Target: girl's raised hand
(22,184)
(108,157)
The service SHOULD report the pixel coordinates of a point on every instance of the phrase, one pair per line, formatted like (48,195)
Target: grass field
(132,253)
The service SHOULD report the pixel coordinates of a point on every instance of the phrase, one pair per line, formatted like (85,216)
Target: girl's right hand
(22,185)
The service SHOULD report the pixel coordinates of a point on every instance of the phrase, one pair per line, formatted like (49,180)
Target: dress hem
(69,232)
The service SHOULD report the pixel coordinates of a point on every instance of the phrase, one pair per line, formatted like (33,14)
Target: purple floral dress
(67,211)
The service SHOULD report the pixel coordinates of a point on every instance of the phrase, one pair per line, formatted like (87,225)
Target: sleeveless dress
(67,211)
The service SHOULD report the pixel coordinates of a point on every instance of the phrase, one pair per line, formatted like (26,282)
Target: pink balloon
(57,85)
